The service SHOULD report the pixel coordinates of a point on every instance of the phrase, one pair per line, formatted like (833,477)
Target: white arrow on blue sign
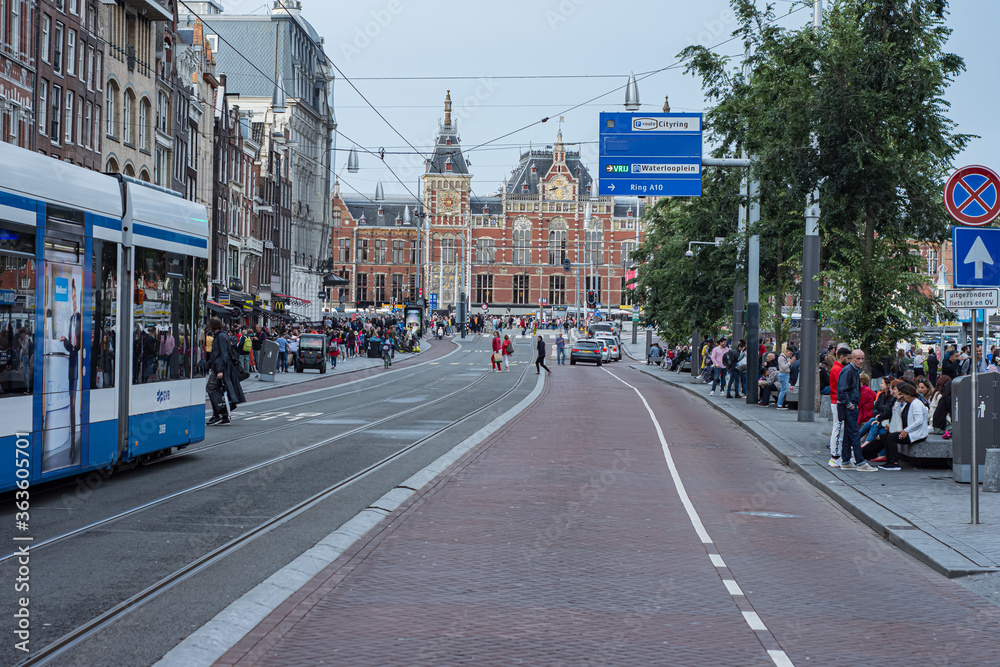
(976,256)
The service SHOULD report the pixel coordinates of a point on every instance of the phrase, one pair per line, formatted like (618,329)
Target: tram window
(17,318)
(16,241)
(200,292)
(104,328)
(163,315)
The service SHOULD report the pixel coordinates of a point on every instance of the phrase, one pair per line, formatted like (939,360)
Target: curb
(895,527)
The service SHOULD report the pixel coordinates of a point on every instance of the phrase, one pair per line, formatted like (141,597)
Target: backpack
(508,348)
(247,344)
(727,358)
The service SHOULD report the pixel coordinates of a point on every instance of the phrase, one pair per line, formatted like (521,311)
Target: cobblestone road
(563,540)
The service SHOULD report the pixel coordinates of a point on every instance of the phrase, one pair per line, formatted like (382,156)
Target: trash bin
(375,348)
(987,412)
(267,363)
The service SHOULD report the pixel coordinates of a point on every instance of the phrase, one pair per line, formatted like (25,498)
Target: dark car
(586,350)
(312,352)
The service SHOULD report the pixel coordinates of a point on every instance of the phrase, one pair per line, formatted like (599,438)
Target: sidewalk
(923,511)
(360,362)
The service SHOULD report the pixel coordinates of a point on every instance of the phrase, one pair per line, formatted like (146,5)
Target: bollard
(825,409)
(991,479)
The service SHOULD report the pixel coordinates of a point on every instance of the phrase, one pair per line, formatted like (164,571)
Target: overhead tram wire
(282,89)
(360,94)
(641,77)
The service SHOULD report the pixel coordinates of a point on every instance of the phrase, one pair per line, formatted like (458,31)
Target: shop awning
(294,300)
(218,308)
(333,280)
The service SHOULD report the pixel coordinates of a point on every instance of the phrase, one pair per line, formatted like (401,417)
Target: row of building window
(70,55)
(404,252)
(67,118)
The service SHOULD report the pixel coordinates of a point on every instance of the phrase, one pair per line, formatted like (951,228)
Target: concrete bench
(934,447)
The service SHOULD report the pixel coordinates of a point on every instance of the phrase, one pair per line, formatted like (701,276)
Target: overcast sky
(484,41)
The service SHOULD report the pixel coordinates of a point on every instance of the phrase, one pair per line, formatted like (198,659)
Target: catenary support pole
(808,364)
(753,295)
(808,332)
(695,351)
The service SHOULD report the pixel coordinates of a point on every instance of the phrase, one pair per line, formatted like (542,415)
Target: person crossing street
(540,361)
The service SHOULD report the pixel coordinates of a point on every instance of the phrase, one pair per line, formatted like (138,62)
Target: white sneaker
(866,467)
(833,463)
(711,393)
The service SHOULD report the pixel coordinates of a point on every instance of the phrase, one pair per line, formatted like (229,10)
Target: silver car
(614,345)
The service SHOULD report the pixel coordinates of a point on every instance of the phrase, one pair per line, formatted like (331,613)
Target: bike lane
(583,534)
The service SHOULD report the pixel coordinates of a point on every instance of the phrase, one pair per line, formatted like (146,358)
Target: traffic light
(591,298)
(567,265)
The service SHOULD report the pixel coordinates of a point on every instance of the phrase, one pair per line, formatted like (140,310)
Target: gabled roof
(447,148)
(542,161)
(391,208)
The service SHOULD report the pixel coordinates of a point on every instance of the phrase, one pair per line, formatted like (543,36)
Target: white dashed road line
(778,657)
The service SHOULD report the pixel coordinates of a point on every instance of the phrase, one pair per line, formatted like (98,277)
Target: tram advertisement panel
(62,439)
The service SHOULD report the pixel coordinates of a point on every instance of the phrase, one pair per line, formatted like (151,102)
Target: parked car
(312,353)
(586,350)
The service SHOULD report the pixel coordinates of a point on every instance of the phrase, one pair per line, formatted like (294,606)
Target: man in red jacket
(837,432)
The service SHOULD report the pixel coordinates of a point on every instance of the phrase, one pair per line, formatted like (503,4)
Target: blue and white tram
(102,296)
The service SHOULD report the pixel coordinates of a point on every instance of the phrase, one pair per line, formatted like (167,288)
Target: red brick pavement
(562,541)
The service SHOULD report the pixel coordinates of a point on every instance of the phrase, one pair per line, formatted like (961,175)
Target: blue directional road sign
(650,154)
(976,256)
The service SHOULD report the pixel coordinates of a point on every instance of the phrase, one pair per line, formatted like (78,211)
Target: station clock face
(560,188)
(448,203)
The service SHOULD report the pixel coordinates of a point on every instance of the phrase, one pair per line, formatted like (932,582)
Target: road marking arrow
(979,255)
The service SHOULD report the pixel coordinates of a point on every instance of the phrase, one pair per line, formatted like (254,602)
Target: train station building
(507,247)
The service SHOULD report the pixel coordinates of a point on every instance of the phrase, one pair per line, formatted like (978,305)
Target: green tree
(679,294)
(857,107)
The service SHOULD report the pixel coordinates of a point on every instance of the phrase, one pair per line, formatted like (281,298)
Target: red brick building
(17,72)
(70,97)
(507,246)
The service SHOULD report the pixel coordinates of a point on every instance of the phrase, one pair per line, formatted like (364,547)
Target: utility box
(987,405)
(267,363)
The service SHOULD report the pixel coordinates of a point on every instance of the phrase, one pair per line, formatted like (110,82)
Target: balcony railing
(252,245)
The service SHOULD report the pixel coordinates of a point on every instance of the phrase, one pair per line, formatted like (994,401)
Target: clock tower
(446,196)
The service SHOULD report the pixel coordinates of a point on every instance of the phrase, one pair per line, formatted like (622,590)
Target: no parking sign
(972,195)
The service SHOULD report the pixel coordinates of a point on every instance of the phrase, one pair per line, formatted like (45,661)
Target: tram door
(62,342)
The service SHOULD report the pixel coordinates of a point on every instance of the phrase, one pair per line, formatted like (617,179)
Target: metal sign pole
(974,472)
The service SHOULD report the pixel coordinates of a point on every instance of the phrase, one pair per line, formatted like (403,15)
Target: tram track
(41,545)
(95,625)
(70,482)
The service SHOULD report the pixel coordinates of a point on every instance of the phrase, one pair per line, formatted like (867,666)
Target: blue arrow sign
(976,256)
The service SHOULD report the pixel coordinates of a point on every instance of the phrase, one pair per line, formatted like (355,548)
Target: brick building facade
(17,73)
(507,247)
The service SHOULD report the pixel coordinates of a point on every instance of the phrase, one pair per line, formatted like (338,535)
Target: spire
(447,109)
(666,104)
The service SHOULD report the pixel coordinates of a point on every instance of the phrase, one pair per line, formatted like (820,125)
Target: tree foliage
(857,107)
